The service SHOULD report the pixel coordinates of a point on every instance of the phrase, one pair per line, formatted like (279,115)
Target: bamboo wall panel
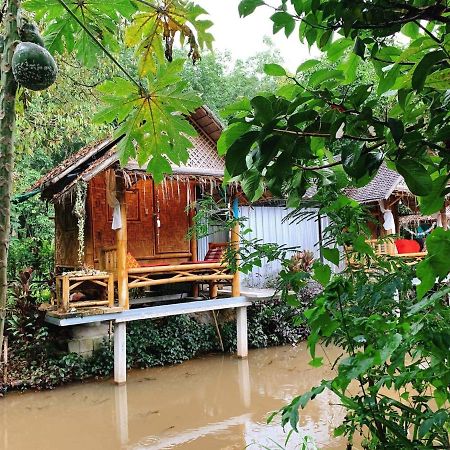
(66,235)
(171,201)
(139,199)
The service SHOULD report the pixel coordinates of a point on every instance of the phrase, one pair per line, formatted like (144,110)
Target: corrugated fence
(266,225)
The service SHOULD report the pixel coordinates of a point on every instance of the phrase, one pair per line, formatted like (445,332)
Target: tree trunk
(7,125)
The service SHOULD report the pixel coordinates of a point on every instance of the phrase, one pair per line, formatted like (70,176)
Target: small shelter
(395,209)
(121,227)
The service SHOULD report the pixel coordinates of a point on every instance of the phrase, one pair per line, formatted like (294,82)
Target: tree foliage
(147,104)
(325,128)
(287,140)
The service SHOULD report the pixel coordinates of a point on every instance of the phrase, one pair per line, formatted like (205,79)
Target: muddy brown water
(214,402)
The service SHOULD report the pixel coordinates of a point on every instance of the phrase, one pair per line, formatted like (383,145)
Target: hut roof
(385,182)
(98,156)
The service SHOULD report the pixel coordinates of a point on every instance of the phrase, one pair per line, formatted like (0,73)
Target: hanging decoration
(79,210)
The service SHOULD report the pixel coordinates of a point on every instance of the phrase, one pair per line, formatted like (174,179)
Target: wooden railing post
(122,246)
(444,219)
(193,248)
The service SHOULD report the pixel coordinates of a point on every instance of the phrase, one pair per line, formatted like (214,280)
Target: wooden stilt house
(124,230)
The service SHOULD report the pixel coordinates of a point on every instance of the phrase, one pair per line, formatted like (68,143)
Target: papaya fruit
(29,32)
(33,66)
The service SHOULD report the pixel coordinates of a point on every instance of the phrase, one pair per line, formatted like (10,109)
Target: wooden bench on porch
(213,270)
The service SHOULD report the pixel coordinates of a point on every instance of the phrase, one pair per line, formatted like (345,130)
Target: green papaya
(30,33)
(33,66)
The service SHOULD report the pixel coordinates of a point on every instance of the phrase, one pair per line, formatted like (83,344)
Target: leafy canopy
(323,117)
(147,103)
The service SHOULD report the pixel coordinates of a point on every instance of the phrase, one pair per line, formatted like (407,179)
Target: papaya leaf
(154,27)
(151,120)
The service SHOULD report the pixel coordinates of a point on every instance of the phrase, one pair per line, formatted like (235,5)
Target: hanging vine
(79,210)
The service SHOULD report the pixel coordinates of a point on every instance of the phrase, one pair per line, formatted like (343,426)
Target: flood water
(215,402)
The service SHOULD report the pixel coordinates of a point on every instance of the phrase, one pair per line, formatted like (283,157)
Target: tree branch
(326,135)
(325,166)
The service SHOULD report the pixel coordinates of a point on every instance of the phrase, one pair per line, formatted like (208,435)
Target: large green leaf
(246,7)
(152,120)
(101,18)
(416,176)
(424,67)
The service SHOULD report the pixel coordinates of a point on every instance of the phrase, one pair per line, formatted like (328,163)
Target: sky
(244,37)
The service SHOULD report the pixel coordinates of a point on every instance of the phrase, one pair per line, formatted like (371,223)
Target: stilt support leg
(120,353)
(242,332)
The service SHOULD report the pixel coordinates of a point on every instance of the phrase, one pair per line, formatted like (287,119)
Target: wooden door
(172,218)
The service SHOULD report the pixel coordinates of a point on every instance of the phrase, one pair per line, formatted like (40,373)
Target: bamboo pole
(7,129)
(236,284)
(182,280)
(122,246)
(444,219)
(111,290)
(177,268)
(194,250)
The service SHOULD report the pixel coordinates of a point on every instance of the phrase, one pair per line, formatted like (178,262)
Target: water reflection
(216,402)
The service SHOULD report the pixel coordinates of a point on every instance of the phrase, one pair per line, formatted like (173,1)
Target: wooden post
(122,246)
(65,293)
(194,249)
(242,332)
(390,245)
(120,352)
(111,290)
(236,284)
(444,219)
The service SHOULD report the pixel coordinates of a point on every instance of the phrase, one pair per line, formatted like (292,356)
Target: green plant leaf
(274,70)
(331,254)
(424,67)
(322,273)
(416,176)
(151,121)
(247,7)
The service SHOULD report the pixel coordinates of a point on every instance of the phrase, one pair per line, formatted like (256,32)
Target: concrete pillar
(242,332)
(120,352)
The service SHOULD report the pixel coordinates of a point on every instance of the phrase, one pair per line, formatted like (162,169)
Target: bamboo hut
(396,212)
(127,232)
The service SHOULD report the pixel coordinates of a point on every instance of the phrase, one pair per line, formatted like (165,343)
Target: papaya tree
(147,102)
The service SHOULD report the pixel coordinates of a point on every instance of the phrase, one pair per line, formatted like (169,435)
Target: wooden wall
(157,222)
(66,235)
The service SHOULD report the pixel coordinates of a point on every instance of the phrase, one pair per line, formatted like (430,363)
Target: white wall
(267,225)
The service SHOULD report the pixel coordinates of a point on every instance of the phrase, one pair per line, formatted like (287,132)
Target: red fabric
(407,246)
(214,254)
